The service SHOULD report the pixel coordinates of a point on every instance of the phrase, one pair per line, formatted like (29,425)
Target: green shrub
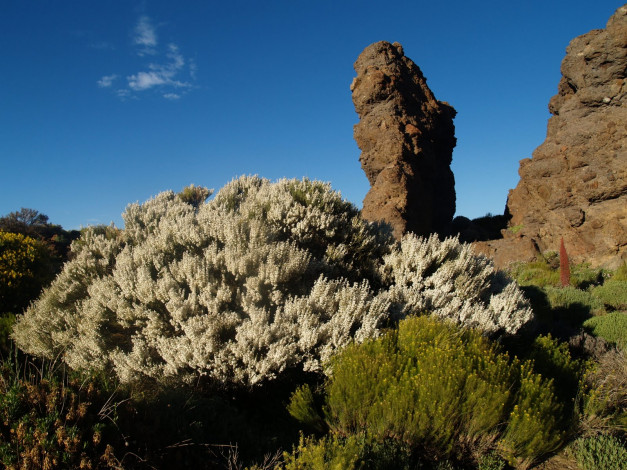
(612,327)
(582,303)
(621,273)
(537,273)
(443,390)
(302,407)
(194,195)
(613,294)
(601,452)
(491,461)
(329,453)
(359,452)
(516,228)
(552,359)
(533,427)
(546,272)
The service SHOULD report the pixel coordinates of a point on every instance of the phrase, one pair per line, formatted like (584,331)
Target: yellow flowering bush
(24,270)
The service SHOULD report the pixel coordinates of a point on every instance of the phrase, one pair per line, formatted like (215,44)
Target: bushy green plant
(444,390)
(546,272)
(31,223)
(303,408)
(538,273)
(572,298)
(612,294)
(621,273)
(491,461)
(612,327)
(602,452)
(534,426)
(329,453)
(359,452)
(552,359)
(194,195)
(263,278)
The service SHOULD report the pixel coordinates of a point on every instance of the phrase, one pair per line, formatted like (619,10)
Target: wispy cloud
(107,81)
(145,36)
(168,71)
(160,74)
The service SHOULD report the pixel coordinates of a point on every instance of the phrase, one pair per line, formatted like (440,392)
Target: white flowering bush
(447,279)
(263,277)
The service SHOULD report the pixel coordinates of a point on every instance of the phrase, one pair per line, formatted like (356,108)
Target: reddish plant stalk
(564,265)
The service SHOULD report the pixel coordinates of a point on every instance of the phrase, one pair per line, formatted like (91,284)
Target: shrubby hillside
(272,326)
(262,278)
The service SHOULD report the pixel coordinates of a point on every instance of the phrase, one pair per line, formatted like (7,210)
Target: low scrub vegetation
(54,421)
(602,452)
(612,327)
(261,279)
(442,392)
(270,327)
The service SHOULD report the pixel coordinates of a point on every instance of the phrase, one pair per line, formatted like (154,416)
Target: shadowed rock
(407,138)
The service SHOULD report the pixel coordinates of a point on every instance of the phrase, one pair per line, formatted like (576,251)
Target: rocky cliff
(407,138)
(575,185)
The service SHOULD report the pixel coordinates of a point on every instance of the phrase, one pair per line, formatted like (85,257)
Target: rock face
(407,138)
(575,186)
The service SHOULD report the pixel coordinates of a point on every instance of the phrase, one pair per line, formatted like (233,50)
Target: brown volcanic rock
(406,137)
(575,186)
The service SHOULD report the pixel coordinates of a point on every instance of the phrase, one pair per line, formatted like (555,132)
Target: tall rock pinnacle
(406,138)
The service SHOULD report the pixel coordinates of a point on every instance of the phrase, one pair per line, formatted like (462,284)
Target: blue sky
(107,103)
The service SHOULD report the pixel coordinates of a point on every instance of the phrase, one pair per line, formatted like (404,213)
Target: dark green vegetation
(32,252)
(424,395)
(595,300)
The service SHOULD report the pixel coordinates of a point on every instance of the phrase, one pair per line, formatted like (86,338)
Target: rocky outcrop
(407,138)
(575,186)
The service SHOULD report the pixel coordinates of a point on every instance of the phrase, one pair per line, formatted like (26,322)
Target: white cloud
(160,74)
(107,81)
(177,60)
(144,80)
(168,72)
(145,36)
